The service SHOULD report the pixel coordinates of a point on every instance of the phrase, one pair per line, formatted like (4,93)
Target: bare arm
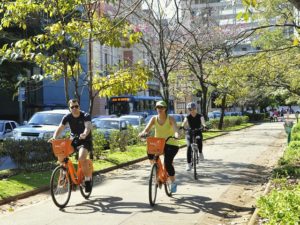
(203,121)
(58,131)
(174,126)
(87,130)
(185,123)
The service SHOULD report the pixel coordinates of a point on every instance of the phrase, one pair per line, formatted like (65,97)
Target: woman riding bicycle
(194,120)
(165,126)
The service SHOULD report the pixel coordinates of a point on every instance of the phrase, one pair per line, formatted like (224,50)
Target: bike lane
(235,166)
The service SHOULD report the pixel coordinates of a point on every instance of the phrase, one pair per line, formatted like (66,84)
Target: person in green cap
(165,126)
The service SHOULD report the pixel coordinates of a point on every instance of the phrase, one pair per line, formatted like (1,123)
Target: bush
(281,206)
(99,143)
(256,117)
(227,122)
(30,155)
(118,141)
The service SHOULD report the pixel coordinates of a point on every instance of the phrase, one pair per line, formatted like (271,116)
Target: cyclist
(165,126)
(80,125)
(193,120)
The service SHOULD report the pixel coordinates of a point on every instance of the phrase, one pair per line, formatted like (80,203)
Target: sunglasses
(160,107)
(191,109)
(74,106)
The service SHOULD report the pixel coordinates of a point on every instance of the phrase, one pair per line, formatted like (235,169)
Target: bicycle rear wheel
(168,188)
(60,186)
(86,195)
(153,184)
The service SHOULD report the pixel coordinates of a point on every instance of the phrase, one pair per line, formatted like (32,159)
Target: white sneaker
(188,167)
(201,156)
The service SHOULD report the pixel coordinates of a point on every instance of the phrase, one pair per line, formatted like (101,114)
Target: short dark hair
(72,101)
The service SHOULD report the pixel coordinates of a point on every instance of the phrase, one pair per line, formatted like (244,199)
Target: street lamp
(21,98)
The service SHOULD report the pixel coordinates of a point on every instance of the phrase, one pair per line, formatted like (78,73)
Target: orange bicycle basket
(155,145)
(62,147)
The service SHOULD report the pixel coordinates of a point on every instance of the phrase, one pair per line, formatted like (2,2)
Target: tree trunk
(222,112)
(90,75)
(66,82)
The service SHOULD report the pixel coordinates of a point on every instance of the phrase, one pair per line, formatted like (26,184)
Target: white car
(6,128)
(135,121)
(41,125)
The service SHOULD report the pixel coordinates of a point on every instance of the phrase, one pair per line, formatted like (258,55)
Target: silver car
(6,128)
(41,125)
(135,121)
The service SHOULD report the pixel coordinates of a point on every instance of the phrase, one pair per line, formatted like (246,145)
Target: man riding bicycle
(193,121)
(80,125)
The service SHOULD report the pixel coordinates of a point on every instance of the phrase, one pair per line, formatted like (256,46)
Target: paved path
(235,167)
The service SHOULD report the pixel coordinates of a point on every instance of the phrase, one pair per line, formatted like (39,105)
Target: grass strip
(24,182)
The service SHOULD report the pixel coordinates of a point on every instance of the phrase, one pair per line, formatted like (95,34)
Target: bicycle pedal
(74,187)
(159,184)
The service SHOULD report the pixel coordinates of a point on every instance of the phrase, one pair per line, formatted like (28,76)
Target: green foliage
(228,121)
(99,142)
(118,141)
(29,155)
(281,206)
(256,116)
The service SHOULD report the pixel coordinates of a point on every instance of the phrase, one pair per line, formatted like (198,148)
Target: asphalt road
(233,174)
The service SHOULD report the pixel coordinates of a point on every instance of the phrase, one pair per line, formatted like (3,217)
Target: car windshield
(1,126)
(46,119)
(107,124)
(132,121)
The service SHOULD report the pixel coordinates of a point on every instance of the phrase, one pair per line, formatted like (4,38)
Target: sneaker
(88,186)
(188,167)
(173,187)
(201,156)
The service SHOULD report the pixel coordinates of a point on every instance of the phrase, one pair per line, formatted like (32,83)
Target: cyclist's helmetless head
(74,106)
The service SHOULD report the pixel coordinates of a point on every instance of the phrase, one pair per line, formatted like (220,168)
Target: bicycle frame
(161,172)
(76,175)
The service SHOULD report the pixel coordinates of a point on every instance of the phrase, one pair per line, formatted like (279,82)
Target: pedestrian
(165,126)
(80,125)
(193,121)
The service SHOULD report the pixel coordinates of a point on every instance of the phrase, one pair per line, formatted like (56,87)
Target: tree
(162,39)
(66,26)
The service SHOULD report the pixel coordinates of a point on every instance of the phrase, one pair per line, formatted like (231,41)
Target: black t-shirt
(77,124)
(195,122)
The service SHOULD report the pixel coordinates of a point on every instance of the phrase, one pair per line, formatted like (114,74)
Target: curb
(254,216)
(46,188)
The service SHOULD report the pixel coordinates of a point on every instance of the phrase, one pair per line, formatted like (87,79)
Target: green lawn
(24,182)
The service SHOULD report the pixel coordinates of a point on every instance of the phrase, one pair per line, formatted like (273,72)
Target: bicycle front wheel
(195,156)
(153,185)
(60,186)
(85,194)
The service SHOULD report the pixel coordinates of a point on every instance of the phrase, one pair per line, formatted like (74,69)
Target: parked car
(108,125)
(41,125)
(6,128)
(135,121)
(102,117)
(178,118)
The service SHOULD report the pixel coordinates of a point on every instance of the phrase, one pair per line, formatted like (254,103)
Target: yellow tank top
(164,131)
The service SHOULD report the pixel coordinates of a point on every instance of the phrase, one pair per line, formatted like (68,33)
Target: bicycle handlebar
(194,130)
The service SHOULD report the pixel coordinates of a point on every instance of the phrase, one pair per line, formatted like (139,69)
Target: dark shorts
(87,144)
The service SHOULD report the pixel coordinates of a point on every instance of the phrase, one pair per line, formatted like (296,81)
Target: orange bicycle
(158,175)
(65,177)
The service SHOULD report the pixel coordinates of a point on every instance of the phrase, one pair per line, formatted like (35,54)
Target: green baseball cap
(161,103)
